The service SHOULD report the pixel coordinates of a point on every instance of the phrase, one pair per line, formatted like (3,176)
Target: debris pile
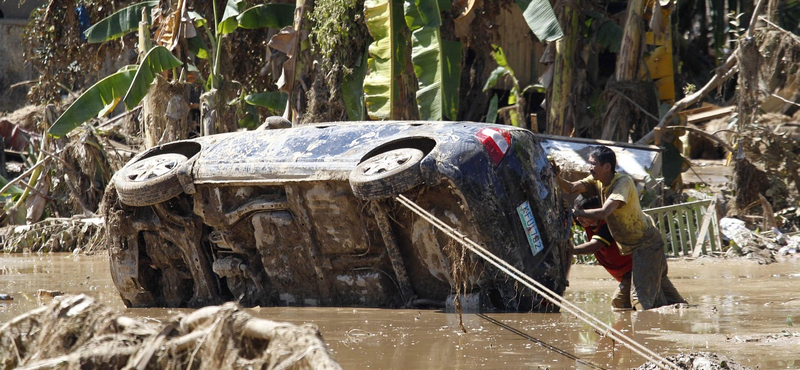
(55,235)
(763,247)
(698,361)
(76,332)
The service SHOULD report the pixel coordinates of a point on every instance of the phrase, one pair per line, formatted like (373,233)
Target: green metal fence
(688,229)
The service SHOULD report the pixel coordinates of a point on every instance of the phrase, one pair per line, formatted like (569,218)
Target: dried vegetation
(76,332)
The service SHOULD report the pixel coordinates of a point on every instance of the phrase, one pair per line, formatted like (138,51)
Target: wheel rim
(153,167)
(386,162)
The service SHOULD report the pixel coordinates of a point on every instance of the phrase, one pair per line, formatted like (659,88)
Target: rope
(538,288)
(540,342)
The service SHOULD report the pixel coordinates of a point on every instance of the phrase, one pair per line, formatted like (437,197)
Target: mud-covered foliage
(771,141)
(85,168)
(64,61)
(54,235)
(339,37)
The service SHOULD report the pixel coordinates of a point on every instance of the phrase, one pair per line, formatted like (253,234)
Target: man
(604,248)
(633,230)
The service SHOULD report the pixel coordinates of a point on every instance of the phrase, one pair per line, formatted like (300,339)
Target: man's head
(583,202)
(602,163)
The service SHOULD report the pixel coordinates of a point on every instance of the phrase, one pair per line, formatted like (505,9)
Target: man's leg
(670,293)
(649,267)
(622,296)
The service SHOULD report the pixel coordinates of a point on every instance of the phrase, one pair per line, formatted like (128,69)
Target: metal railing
(688,229)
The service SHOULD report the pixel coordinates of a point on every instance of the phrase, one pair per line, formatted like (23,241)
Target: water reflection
(732,303)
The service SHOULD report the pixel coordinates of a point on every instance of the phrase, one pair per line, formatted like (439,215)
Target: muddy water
(736,306)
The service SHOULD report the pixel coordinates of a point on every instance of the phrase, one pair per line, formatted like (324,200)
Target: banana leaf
(353,90)
(491,113)
(199,20)
(12,190)
(120,23)
(541,19)
(494,77)
(502,67)
(267,15)
(275,100)
(608,33)
(436,62)
(198,47)
(384,19)
(158,59)
(229,23)
(102,96)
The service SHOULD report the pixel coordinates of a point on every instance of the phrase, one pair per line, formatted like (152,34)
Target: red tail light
(496,141)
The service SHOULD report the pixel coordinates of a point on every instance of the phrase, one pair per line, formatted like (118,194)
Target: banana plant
(103,97)
(437,62)
(384,20)
(131,83)
(541,19)
(516,100)
(121,23)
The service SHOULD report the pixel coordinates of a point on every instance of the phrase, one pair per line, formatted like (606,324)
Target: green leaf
(491,114)
(435,61)
(383,20)
(157,60)
(102,95)
(353,90)
(120,23)
(609,35)
(199,20)
(499,56)
(496,74)
(12,190)
(275,100)
(198,47)
(452,52)
(541,19)
(267,15)
(422,13)
(229,23)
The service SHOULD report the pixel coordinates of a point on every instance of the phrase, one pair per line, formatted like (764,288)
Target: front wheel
(150,181)
(387,174)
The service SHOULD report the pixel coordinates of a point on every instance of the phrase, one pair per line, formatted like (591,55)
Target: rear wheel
(387,174)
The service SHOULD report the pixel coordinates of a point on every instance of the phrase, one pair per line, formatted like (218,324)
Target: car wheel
(150,181)
(387,174)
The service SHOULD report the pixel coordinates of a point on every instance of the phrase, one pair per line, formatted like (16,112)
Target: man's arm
(571,187)
(601,213)
(593,245)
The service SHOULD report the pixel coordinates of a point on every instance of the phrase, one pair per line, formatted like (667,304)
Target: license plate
(531,230)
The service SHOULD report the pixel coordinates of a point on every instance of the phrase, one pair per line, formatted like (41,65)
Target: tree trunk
(616,124)
(216,116)
(561,116)
(747,189)
(165,110)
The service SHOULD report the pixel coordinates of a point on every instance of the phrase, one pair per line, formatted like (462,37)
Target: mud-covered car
(306,216)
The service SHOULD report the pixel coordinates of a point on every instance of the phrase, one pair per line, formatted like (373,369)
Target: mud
(738,310)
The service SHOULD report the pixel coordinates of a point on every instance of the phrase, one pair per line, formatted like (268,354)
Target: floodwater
(738,309)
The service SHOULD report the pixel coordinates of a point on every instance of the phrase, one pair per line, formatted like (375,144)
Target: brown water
(735,306)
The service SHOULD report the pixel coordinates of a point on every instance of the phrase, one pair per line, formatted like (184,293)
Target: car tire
(149,181)
(387,174)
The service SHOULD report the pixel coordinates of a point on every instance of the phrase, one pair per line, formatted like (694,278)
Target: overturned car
(306,216)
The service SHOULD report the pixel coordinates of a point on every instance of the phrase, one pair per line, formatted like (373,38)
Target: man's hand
(554,166)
